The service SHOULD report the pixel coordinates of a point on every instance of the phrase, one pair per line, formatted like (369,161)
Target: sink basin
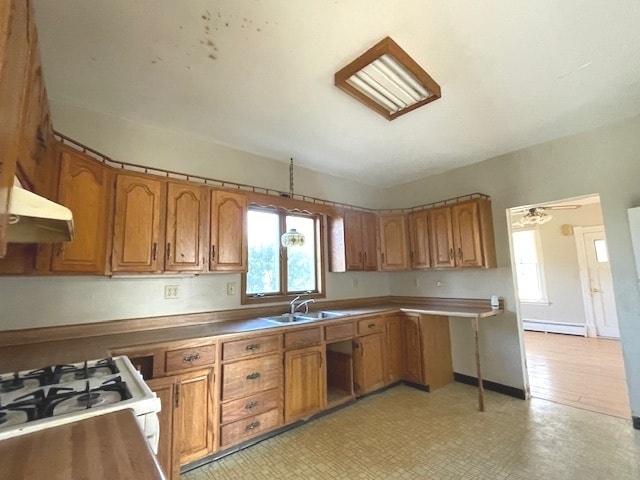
(321,315)
(307,317)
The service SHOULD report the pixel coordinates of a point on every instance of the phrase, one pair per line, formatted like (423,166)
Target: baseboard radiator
(555,327)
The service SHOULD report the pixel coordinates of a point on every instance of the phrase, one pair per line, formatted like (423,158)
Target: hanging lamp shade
(291,238)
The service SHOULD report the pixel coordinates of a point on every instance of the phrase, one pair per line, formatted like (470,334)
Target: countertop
(35,355)
(104,447)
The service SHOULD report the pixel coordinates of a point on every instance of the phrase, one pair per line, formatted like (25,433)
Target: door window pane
(264,252)
(602,256)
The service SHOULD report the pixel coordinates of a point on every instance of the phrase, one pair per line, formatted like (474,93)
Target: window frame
(283,295)
(542,283)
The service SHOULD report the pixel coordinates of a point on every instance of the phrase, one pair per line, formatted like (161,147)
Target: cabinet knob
(460,253)
(154,251)
(213,252)
(451,255)
(251,405)
(168,250)
(252,346)
(191,358)
(253,376)
(252,426)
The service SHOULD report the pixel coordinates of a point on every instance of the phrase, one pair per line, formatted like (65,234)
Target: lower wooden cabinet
(237,432)
(394,352)
(412,350)
(436,350)
(368,360)
(166,389)
(304,383)
(195,414)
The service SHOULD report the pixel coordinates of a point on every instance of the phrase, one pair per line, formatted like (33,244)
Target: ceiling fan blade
(559,207)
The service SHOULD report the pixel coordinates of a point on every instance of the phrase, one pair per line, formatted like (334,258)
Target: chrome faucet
(294,307)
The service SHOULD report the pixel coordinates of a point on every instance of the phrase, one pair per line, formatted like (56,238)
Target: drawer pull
(253,376)
(251,405)
(252,346)
(252,426)
(191,358)
(372,325)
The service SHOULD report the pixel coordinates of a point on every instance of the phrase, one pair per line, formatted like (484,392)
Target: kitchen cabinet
(84,187)
(411,347)
(436,350)
(353,241)
(304,383)
(462,235)
(394,352)
(158,226)
(184,234)
(369,355)
(419,240)
(137,234)
(196,414)
(228,235)
(167,391)
(393,241)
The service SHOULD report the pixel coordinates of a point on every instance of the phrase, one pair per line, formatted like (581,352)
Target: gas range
(54,395)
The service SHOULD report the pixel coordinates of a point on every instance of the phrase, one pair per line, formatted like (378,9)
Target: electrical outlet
(416,281)
(439,283)
(354,282)
(231,288)
(171,292)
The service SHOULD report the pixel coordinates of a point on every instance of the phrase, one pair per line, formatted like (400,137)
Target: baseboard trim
(418,386)
(555,327)
(489,385)
(636,422)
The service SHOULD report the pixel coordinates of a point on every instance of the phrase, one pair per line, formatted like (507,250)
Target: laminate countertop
(104,447)
(36,355)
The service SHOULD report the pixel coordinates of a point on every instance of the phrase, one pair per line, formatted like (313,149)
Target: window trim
(319,218)
(544,297)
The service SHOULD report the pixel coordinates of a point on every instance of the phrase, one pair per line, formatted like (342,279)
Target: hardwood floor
(581,372)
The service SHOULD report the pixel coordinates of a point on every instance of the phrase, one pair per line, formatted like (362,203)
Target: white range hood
(34,219)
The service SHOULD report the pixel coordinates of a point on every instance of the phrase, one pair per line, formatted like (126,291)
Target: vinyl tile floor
(404,433)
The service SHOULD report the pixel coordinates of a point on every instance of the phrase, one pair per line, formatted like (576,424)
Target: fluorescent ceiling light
(386,79)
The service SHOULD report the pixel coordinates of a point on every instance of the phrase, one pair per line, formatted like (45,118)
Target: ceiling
(257,75)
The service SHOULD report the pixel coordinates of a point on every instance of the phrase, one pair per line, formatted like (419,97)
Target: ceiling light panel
(388,80)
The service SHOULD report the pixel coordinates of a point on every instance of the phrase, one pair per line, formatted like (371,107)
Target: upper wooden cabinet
(419,254)
(393,241)
(139,205)
(84,187)
(462,235)
(184,249)
(228,232)
(353,241)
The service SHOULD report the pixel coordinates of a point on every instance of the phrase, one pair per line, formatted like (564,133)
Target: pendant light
(292,238)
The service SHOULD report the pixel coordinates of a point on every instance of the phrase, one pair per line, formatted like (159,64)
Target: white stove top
(52,396)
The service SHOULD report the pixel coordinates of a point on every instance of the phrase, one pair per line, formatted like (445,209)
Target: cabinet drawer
(302,338)
(370,325)
(241,379)
(242,430)
(246,407)
(336,332)
(250,347)
(186,358)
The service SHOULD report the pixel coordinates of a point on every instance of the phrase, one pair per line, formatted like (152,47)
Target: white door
(597,282)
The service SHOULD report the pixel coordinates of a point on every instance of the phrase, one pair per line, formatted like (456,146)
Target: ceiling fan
(537,215)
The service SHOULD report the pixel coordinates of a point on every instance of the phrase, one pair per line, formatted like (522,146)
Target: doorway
(565,305)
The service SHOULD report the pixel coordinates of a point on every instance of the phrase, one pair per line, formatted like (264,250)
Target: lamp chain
(291,179)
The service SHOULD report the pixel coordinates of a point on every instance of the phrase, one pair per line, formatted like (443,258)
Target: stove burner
(12,385)
(89,399)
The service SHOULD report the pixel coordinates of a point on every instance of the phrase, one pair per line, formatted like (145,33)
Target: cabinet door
(353,240)
(186,213)
(166,390)
(441,237)
(14,53)
(137,222)
(393,242)
(369,241)
(195,412)
(304,383)
(228,241)
(412,349)
(394,356)
(419,239)
(84,189)
(436,350)
(466,235)
(369,363)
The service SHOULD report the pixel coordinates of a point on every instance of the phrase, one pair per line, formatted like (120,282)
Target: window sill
(251,299)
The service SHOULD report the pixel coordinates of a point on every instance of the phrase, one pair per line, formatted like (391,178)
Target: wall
(562,272)
(604,161)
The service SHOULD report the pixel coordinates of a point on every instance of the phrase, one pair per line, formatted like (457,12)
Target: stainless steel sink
(306,317)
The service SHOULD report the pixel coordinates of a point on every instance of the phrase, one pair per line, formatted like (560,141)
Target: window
(528,264)
(277,273)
